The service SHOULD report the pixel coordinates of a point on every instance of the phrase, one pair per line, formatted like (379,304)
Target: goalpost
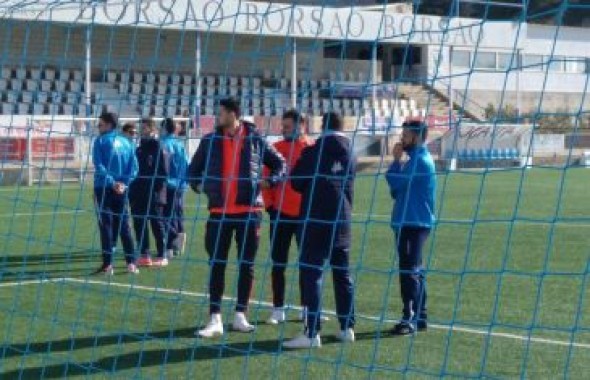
(58,148)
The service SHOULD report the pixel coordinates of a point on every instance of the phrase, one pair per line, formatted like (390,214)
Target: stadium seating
(50,90)
(486,154)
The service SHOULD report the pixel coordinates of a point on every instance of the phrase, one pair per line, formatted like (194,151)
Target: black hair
(127,127)
(109,118)
(332,121)
(232,105)
(294,115)
(418,127)
(168,125)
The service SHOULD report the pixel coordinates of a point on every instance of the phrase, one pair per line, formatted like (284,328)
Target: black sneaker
(403,328)
(422,326)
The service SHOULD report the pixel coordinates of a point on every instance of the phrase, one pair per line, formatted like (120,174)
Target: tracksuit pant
(113,221)
(321,244)
(174,215)
(219,231)
(144,211)
(283,229)
(410,242)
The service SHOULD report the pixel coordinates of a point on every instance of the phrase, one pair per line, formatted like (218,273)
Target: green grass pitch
(508,291)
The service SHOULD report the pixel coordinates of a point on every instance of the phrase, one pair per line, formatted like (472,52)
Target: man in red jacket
(283,205)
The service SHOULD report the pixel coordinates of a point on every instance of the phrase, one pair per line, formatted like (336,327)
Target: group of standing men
(151,177)
(307,189)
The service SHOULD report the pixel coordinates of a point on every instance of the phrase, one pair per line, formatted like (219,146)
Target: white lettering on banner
(486,137)
(285,20)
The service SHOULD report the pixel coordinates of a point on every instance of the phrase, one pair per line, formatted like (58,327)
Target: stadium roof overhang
(375,24)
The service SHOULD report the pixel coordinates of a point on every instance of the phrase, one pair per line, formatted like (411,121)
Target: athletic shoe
(214,328)
(160,262)
(346,336)
(107,270)
(241,323)
(303,341)
(277,316)
(403,328)
(144,261)
(132,269)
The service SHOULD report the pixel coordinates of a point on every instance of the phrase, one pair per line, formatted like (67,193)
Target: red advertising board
(57,148)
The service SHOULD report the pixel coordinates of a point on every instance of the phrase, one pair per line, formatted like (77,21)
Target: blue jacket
(114,160)
(324,175)
(206,167)
(174,148)
(413,186)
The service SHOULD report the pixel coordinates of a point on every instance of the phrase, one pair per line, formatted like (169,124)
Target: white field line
(24,282)
(453,328)
(42,213)
(372,217)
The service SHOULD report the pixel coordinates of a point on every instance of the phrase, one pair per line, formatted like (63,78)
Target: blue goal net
(294,184)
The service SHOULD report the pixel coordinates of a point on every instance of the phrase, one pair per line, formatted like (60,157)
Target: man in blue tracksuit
(324,175)
(412,185)
(115,165)
(147,195)
(176,186)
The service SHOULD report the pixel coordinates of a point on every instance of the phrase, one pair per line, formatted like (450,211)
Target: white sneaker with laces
(346,336)
(214,327)
(303,341)
(277,316)
(241,324)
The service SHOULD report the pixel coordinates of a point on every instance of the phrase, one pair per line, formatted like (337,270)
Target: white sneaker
(277,316)
(346,336)
(132,269)
(241,323)
(303,341)
(214,328)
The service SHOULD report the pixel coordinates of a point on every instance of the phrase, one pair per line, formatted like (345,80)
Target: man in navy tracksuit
(147,195)
(413,185)
(176,187)
(115,166)
(227,167)
(324,175)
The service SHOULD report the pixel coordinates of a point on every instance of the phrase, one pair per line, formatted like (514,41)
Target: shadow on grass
(139,359)
(43,274)
(201,350)
(48,258)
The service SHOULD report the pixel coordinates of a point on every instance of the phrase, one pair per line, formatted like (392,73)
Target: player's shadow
(46,266)
(201,350)
(47,274)
(48,258)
